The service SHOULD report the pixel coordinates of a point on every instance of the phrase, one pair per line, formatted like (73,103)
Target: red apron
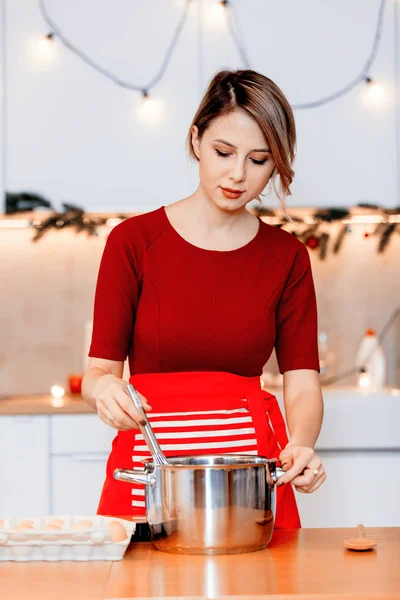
(199,393)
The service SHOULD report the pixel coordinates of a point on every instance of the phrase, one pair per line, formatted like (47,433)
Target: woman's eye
(256,162)
(221,153)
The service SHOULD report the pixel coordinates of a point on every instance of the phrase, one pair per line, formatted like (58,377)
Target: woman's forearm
(304,413)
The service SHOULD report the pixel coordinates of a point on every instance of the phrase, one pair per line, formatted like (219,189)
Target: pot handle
(141,477)
(277,473)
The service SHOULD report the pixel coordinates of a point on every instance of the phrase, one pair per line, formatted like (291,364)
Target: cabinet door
(24,466)
(360,487)
(77,481)
(75,434)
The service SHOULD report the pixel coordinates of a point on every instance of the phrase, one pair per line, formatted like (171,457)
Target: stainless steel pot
(209,504)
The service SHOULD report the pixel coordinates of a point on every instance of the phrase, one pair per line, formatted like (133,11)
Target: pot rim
(262,462)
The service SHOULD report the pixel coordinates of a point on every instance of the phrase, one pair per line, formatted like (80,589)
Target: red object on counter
(75,383)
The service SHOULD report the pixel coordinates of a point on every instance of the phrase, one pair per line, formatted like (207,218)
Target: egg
(24,526)
(30,521)
(81,525)
(53,527)
(58,522)
(117,531)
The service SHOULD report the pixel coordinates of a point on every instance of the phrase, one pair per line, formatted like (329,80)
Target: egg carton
(41,544)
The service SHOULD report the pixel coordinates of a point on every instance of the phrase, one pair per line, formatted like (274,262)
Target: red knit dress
(173,307)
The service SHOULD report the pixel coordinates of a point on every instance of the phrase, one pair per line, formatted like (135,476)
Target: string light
(150,109)
(11,223)
(41,50)
(374,94)
(91,63)
(215,15)
(223,12)
(46,41)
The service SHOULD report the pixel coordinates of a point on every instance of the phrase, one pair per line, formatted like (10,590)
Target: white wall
(73,134)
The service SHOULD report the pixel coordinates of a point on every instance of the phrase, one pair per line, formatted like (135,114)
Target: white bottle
(370,360)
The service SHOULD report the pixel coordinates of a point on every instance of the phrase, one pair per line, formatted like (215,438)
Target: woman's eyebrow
(232,146)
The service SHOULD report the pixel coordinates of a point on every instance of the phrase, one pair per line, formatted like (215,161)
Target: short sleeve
(296,342)
(116,299)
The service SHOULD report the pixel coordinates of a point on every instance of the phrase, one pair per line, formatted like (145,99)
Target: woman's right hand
(114,405)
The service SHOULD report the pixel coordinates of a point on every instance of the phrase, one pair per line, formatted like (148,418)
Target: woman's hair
(265,102)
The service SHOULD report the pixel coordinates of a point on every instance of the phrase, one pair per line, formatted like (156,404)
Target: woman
(197,293)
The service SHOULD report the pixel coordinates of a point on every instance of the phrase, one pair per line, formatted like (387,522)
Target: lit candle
(57,392)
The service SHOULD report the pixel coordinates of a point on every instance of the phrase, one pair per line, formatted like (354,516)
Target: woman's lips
(230,193)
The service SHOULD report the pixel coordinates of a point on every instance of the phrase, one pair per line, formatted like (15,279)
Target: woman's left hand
(304,468)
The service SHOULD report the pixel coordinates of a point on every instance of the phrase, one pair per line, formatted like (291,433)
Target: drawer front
(79,433)
(76,483)
(24,466)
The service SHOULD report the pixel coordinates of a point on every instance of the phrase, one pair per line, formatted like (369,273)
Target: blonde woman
(197,293)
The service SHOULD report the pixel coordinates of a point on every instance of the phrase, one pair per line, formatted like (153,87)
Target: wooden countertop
(298,564)
(43,404)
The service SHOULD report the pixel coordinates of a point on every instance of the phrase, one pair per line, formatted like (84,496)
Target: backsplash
(48,290)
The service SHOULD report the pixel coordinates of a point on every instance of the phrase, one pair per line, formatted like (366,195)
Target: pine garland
(315,236)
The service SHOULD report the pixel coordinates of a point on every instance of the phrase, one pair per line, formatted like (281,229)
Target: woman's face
(232,154)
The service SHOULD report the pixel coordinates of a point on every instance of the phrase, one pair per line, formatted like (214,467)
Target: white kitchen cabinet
(55,464)
(359,445)
(361,487)
(79,449)
(76,483)
(77,434)
(24,465)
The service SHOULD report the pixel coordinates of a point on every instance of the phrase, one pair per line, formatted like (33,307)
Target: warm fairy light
(57,402)
(11,223)
(272,220)
(364,379)
(309,220)
(374,93)
(57,391)
(41,50)
(215,14)
(364,219)
(150,109)
(14,223)
(113,221)
(46,42)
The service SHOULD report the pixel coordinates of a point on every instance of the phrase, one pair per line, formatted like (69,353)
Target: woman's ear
(196,141)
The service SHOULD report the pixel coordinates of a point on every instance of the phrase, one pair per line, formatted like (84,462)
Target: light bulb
(57,391)
(364,379)
(41,50)
(46,42)
(374,93)
(150,109)
(215,15)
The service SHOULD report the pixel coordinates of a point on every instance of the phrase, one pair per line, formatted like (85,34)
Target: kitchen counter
(298,564)
(44,404)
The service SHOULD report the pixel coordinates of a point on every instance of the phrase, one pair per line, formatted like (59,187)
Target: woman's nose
(237,172)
